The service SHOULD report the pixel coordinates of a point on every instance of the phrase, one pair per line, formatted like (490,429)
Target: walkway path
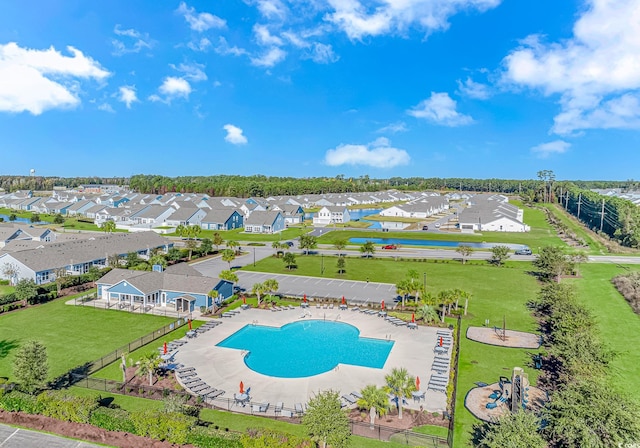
(11,437)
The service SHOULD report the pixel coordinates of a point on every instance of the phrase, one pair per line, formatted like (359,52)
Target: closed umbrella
(244,300)
(190,324)
(344,302)
(418,382)
(413,317)
(164,348)
(440,341)
(304,299)
(241,387)
(382,304)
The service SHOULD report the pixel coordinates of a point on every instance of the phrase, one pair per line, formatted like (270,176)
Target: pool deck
(224,368)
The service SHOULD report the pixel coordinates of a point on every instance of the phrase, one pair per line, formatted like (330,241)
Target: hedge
(112,420)
(65,407)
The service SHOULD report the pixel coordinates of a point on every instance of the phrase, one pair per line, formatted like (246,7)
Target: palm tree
(277,246)
(108,226)
(228,255)
(148,365)
(374,397)
(428,313)
(403,289)
(400,384)
(233,245)
(214,295)
(271,285)
(289,260)
(258,289)
(217,240)
(181,230)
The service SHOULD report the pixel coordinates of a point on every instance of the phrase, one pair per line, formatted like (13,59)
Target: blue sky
(432,88)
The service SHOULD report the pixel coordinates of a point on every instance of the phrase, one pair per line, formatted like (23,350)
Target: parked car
(289,243)
(425,227)
(523,252)
(437,225)
(390,247)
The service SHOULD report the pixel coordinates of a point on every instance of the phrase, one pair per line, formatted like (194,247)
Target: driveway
(297,285)
(11,437)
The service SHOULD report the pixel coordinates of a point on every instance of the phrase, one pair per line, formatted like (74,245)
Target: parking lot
(295,285)
(11,437)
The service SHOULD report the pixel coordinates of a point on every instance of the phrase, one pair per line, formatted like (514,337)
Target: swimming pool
(437,243)
(306,348)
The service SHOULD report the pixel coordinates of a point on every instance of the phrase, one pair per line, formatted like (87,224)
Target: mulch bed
(82,431)
(514,339)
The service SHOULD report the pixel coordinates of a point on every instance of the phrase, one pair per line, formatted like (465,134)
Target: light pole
(254,256)
(424,282)
(322,266)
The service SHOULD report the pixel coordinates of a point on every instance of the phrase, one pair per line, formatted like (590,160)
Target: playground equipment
(519,389)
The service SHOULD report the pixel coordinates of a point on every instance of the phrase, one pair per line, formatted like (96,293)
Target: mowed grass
(6,289)
(595,246)
(619,326)
(72,335)
(239,235)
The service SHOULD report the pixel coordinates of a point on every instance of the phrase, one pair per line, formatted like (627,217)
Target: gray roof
(182,268)
(149,282)
(154,211)
(183,213)
(218,215)
(96,247)
(262,218)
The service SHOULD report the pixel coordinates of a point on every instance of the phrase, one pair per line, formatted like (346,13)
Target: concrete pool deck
(224,368)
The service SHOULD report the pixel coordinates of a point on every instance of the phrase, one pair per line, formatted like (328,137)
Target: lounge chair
(279,406)
(349,399)
(262,407)
(286,413)
(331,306)
(355,308)
(356,394)
(298,407)
(215,394)
(186,369)
(495,394)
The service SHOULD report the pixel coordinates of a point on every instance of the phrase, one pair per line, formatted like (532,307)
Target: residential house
(271,221)
(492,214)
(331,215)
(152,216)
(177,291)
(222,219)
(186,216)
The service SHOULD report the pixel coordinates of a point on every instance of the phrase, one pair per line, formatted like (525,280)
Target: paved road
(11,437)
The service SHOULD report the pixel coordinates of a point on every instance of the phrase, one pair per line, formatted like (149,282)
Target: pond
(20,220)
(436,243)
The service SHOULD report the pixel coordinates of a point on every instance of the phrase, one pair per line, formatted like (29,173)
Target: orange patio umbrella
(304,298)
(344,302)
(418,382)
(382,304)
(190,324)
(413,317)
(164,348)
(440,341)
(244,300)
(241,387)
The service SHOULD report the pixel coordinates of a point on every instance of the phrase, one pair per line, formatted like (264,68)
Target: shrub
(212,438)
(171,426)
(19,402)
(258,438)
(112,419)
(65,407)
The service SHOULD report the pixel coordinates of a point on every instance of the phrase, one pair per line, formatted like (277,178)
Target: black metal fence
(452,413)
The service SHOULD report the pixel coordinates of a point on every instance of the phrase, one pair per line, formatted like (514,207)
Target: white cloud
(264,36)
(393,128)
(128,95)
(224,48)
(295,39)
(39,80)
(377,154)
(140,41)
(272,9)
(596,72)
(172,88)
(323,54)
(203,44)
(234,135)
(200,21)
(544,150)
(192,72)
(397,16)
(270,58)
(440,109)
(473,89)
(105,107)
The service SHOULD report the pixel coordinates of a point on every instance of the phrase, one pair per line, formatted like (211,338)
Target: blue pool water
(306,348)
(437,243)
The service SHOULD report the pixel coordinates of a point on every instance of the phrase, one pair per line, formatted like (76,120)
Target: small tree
(465,251)
(289,260)
(552,263)
(341,265)
(228,255)
(499,254)
(133,260)
(10,270)
(35,217)
(326,422)
(513,430)
(270,285)
(258,289)
(206,246)
(26,290)
(61,275)
(108,226)
(374,397)
(13,217)
(339,245)
(368,249)
(58,219)
(158,259)
(217,240)
(276,245)
(400,384)
(191,245)
(428,313)
(30,366)
(229,276)
(307,242)
(233,245)
(148,365)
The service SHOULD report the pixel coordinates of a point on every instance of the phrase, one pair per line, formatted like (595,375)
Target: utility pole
(602,215)
(566,201)
(579,204)
(560,196)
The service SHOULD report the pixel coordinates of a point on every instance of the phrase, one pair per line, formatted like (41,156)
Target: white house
(331,214)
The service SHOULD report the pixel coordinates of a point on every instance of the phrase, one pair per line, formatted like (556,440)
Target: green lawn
(113,372)
(432,430)
(6,289)
(73,335)
(595,246)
